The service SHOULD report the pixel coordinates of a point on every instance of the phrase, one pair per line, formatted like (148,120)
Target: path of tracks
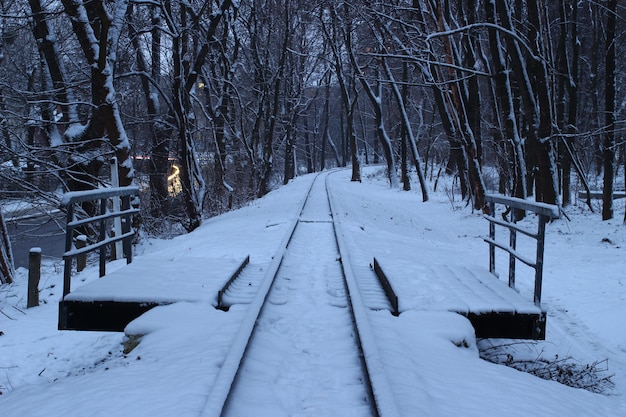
(306,307)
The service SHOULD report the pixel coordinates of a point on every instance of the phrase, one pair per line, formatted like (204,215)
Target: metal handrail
(69,202)
(545,212)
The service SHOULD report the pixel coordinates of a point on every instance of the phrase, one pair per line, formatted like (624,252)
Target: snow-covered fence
(69,202)
(545,212)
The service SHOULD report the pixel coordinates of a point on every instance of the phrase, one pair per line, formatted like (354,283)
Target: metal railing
(103,196)
(545,213)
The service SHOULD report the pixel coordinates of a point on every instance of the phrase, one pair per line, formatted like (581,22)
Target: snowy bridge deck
(110,303)
(113,301)
(494,308)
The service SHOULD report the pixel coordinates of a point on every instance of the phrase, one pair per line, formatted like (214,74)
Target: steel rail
(382,395)
(220,395)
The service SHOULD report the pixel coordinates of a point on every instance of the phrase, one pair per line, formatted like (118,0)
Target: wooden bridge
(493,306)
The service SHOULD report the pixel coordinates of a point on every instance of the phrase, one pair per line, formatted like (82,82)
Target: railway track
(305,346)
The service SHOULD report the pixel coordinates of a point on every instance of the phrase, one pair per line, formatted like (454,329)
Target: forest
(208,104)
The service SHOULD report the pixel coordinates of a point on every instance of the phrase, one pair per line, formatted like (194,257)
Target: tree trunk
(345,87)
(192,182)
(408,137)
(471,46)
(290,166)
(267,162)
(104,33)
(7,271)
(608,151)
(546,179)
(324,136)
(404,134)
(159,153)
(561,106)
(504,97)
(48,48)
(308,147)
(219,82)
(377,105)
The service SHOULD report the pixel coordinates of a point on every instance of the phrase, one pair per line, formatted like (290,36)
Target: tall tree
(409,141)
(375,94)
(546,178)
(349,96)
(220,92)
(454,102)
(98,27)
(151,85)
(275,85)
(608,151)
(190,49)
(7,270)
(6,254)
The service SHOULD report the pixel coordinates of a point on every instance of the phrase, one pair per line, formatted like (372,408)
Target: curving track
(307,309)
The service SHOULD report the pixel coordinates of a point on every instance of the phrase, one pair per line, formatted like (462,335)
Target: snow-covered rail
(305,344)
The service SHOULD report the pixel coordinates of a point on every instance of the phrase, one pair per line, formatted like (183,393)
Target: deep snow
(430,357)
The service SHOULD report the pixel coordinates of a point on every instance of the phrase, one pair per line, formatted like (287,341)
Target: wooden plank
(479,298)
(179,279)
(522,306)
(494,309)
(109,215)
(110,303)
(421,287)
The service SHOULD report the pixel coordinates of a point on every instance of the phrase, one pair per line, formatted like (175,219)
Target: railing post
(67,269)
(117,222)
(103,231)
(81,260)
(126,225)
(34,276)
(492,236)
(541,237)
(512,245)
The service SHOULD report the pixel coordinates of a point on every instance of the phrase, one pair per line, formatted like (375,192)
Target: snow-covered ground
(431,359)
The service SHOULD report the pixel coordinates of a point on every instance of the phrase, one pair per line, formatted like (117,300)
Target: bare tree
(98,27)
(6,254)
(330,23)
(401,98)
(453,102)
(608,151)
(374,93)
(190,50)
(150,69)
(229,91)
